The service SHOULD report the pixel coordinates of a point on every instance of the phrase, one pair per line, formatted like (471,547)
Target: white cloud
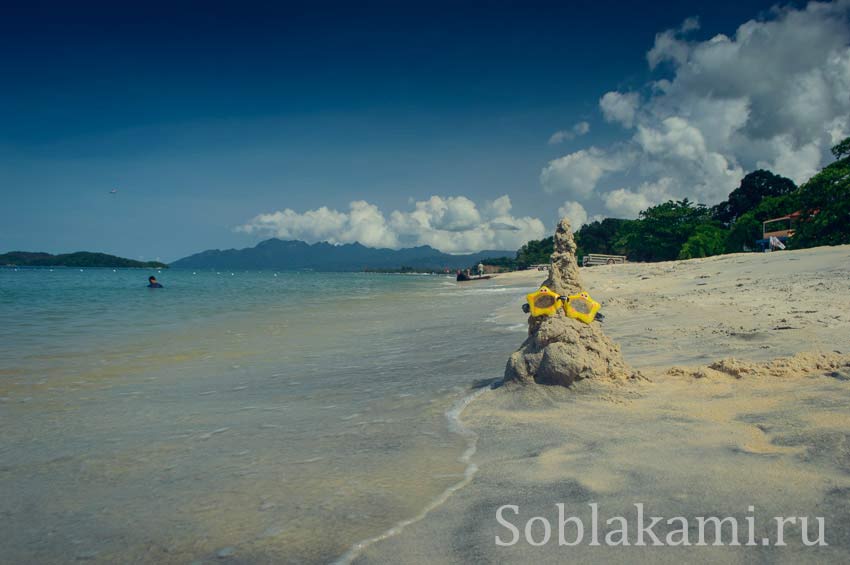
(669,46)
(579,129)
(625,202)
(574,212)
(620,108)
(628,202)
(577,173)
(363,222)
(498,207)
(690,24)
(775,94)
(451,224)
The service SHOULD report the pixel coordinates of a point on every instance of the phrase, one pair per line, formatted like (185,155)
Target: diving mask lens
(544,301)
(581,305)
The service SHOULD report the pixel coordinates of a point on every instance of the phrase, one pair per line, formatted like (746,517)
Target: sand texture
(746,404)
(560,350)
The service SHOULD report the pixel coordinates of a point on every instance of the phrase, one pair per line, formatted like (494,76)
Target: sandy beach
(743,412)
(259,430)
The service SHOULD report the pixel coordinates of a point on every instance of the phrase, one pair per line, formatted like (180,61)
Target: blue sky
(221,124)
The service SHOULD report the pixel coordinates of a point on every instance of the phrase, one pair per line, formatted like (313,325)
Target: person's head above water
(152,282)
(151,279)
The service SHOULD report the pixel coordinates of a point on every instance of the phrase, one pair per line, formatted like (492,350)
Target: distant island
(78,259)
(298,255)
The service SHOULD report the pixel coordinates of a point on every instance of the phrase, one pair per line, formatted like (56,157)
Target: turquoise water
(258,416)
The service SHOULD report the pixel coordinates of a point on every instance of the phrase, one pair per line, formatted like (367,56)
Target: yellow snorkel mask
(544,302)
(580,306)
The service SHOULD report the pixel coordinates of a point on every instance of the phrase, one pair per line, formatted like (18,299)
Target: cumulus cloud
(577,173)
(363,222)
(668,44)
(581,128)
(629,202)
(620,108)
(574,212)
(775,95)
(451,224)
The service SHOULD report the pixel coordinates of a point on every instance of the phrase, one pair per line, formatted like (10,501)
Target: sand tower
(560,350)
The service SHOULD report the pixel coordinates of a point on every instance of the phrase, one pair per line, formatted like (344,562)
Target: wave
(468,291)
(457,427)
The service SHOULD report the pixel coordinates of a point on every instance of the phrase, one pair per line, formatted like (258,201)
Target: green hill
(78,259)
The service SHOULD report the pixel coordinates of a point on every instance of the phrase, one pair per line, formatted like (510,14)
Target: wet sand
(690,440)
(237,419)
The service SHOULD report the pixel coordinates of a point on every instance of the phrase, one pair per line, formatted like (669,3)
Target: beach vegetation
(535,252)
(602,236)
(707,240)
(825,204)
(747,228)
(683,229)
(502,263)
(753,189)
(662,230)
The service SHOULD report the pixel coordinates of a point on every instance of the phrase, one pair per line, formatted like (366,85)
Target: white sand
(772,436)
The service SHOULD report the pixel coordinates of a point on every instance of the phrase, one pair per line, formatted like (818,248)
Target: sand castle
(560,350)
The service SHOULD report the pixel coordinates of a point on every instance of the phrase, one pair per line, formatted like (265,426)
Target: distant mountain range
(298,255)
(78,259)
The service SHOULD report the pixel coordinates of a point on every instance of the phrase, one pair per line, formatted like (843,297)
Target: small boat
(463,277)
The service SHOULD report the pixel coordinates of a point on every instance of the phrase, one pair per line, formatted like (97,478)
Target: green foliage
(535,252)
(753,189)
(842,149)
(825,202)
(777,206)
(662,230)
(504,263)
(747,229)
(744,233)
(601,237)
(707,240)
(682,229)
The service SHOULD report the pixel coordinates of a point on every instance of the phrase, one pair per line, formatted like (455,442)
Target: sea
(259,417)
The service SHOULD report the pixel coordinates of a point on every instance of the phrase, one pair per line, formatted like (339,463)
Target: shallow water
(256,416)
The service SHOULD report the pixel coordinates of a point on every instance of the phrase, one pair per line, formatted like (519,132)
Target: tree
(601,237)
(747,229)
(825,204)
(535,252)
(707,240)
(753,189)
(744,233)
(660,231)
(842,149)
(503,263)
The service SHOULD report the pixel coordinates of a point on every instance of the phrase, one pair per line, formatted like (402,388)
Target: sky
(460,125)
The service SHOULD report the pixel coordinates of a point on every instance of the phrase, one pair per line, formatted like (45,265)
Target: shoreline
(532,446)
(453,416)
(700,436)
